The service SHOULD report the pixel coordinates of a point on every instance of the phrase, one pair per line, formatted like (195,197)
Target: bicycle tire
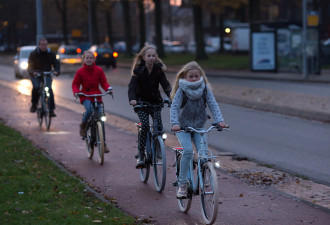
(89,142)
(100,142)
(209,193)
(144,172)
(39,112)
(159,164)
(184,204)
(47,115)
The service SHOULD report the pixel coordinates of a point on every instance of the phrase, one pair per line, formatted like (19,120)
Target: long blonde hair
(193,65)
(139,58)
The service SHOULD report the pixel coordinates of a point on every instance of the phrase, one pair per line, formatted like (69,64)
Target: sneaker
(33,108)
(140,163)
(106,150)
(182,191)
(52,114)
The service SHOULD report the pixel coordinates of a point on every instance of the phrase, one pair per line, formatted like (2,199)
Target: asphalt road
(291,144)
(118,180)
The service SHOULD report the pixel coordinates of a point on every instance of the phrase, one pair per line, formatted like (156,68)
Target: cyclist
(89,77)
(42,59)
(147,73)
(191,94)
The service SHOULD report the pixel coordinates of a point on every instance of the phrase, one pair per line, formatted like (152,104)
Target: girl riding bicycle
(147,73)
(89,77)
(190,95)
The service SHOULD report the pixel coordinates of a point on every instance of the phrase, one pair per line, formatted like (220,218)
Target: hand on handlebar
(133,102)
(176,128)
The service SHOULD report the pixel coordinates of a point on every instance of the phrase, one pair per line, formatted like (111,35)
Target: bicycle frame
(44,95)
(95,125)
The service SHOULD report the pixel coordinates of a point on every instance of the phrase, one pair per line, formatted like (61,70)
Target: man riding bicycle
(42,59)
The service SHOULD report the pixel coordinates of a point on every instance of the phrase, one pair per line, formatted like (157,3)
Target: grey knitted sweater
(193,114)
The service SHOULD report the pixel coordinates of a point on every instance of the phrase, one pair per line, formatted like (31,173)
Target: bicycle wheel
(39,112)
(100,141)
(89,142)
(46,110)
(209,193)
(159,164)
(184,204)
(144,172)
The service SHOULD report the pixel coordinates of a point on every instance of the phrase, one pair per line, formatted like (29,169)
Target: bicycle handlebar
(203,131)
(143,104)
(45,73)
(109,91)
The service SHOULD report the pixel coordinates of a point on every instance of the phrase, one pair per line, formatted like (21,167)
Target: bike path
(119,181)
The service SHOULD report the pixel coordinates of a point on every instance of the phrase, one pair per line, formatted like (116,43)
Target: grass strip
(33,190)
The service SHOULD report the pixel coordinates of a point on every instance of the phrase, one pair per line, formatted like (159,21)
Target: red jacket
(89,77)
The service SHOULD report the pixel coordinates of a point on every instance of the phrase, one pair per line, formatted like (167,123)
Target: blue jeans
(35,90)
(89,106)
(89,109)
(186,140)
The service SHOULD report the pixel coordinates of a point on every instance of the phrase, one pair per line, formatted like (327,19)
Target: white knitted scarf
(193,90)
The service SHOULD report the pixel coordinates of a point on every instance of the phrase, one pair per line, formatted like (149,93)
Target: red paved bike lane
(119,180)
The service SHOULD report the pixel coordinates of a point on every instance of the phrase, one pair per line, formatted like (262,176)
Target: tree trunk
(158,28)
(64,22)
(94,23)
(199,34)
(222,33)
(109,26)
(127,23)
(142,20)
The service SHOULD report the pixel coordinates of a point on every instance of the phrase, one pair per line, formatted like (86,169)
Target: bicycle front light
(46,89)
(103,118)
(164,136)
(217,164)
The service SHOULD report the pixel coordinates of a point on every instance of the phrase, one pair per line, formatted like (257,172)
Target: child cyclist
(147,73)
(89,77)
(191,93)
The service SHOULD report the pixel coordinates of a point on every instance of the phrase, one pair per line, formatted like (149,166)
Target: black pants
(144,119)
(36,83)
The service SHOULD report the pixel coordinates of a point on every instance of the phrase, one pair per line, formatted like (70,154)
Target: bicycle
(43,108)
(95,127)
(204,182)
(155,154)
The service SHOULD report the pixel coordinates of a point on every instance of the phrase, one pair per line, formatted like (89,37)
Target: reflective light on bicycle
(44,104)
(155,154)
(202,177)
(95,126)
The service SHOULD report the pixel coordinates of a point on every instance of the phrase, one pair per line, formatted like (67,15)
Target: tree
(107,8)
(142,21)
(199,34)
(62,8)
(158,28)
(127,24)
(219,7)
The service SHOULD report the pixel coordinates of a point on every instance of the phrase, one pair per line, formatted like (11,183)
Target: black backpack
(185,98)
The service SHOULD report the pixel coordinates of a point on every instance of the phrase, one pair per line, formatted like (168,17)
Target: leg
(144,119)
(83,126)
(35,93)
(188,152)
(158,117)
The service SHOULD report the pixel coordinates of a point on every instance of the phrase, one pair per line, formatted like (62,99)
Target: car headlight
(24,65)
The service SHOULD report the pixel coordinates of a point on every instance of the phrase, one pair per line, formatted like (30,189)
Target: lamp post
(304,39)
(39,20)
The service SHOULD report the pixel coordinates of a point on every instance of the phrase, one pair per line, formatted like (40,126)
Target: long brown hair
(193,65)
(139,58)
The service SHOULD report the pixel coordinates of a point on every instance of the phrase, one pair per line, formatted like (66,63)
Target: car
(21,61)
(104,55)
(69,54)
(173,47)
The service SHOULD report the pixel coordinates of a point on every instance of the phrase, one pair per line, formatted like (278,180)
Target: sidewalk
(312,107)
